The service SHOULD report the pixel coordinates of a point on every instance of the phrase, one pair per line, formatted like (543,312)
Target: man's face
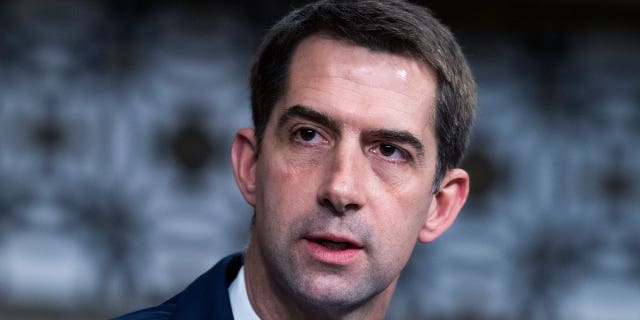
(344,174)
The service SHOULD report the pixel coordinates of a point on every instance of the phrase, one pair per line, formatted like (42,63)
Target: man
(362,111)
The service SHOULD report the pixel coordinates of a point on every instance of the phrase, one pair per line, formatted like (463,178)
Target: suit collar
(207,297)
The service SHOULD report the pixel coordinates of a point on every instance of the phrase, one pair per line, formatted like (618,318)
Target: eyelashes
(386,151)
(391,153)
(308,136)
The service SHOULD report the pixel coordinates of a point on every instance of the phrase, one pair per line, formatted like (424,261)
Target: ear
(446,204)
(244,157)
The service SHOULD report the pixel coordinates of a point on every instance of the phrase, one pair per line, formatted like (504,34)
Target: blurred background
(116,190)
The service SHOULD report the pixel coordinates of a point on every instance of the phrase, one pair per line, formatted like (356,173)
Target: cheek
(394,177)
(287,188)
(405,216)
(409,184)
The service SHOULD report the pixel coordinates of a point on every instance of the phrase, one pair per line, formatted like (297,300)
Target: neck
(270,300)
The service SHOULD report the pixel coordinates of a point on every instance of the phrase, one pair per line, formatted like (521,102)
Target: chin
(335,294)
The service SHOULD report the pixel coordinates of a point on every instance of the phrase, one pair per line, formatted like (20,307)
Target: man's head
(395,27)
(354,105)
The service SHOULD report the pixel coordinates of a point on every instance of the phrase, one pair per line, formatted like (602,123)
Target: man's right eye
(307,134)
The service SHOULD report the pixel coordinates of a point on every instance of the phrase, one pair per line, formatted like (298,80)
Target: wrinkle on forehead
(407,71)
(411,73)
(330,73)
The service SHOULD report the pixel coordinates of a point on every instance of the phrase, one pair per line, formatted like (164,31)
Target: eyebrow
(299,111)
(399,137)
(393,136)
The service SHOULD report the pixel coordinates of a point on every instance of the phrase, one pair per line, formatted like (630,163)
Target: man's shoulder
(164,311)
(204,298)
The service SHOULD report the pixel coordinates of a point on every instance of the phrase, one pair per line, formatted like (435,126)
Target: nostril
(338,207)
(351,207)
(329,205)
(326,203)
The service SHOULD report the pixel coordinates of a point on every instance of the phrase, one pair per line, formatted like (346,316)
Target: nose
(343,181)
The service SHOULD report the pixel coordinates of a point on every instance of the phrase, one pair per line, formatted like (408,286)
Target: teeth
(336,246)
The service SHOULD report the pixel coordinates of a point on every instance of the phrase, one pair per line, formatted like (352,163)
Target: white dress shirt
(240,304)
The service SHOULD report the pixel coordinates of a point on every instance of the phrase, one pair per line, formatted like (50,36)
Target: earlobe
(244,157)
(446,204)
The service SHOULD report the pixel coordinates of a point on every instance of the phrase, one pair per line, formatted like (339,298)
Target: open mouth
(334,245)
(333,250)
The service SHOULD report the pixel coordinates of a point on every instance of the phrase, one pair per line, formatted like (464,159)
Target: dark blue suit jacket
(205,298)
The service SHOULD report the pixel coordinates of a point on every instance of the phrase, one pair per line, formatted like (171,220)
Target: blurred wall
(116,119)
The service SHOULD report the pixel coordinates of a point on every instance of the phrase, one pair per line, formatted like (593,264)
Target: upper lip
(333,238)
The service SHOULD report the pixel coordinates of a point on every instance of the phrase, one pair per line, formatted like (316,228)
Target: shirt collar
(240,304)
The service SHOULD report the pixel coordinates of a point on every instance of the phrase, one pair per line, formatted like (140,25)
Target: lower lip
(336,257)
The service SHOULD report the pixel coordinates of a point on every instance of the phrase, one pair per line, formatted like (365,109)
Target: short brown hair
(392,26)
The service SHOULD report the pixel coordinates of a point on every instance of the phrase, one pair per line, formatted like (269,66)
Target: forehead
(331,73)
